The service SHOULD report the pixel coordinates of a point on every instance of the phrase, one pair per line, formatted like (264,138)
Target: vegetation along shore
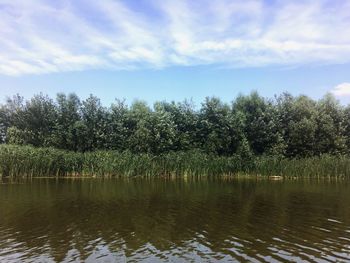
(285,136)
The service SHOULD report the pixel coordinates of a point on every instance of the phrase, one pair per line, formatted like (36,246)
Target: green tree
(80,133)
(68,114)
(18,136)
(346,127)
(288,126)
(260,127)
(297,123)
(139,123)
(11,115)
(94,117)
(163,130)
(3,124)
(185,121)
(330,127)
(219,129)
(37,120)
(118,130)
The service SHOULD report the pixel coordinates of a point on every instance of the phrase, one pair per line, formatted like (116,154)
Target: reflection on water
(114,220)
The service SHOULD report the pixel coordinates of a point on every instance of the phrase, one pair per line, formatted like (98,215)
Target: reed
(320,166)
(27,161)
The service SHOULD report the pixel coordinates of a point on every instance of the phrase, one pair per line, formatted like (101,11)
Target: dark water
(115,220)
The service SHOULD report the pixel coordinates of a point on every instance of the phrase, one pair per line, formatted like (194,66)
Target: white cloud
(42,36)
(341,90)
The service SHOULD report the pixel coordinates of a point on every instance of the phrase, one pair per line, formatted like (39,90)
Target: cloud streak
(42,36)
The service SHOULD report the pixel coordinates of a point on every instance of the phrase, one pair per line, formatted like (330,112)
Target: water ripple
(174,221)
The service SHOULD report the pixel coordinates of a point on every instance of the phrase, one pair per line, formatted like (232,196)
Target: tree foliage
(251,125)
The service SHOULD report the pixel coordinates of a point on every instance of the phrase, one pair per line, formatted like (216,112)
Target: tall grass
(321,166)
(28,161)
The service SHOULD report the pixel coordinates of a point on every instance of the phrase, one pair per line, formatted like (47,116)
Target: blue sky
(171,50)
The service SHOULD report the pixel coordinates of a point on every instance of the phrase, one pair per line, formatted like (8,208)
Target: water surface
(207,220)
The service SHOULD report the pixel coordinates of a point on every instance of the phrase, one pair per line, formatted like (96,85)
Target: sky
(175,49)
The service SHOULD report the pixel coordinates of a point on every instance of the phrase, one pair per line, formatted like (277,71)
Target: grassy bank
(39,162)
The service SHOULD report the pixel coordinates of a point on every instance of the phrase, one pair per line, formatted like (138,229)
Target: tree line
(251,125)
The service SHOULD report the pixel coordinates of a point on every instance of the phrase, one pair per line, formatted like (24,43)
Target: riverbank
(27,161)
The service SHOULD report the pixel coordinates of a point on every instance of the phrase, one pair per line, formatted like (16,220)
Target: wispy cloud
(43,36)
(341,90)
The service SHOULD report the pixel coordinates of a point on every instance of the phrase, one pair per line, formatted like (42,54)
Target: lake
(176,220)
